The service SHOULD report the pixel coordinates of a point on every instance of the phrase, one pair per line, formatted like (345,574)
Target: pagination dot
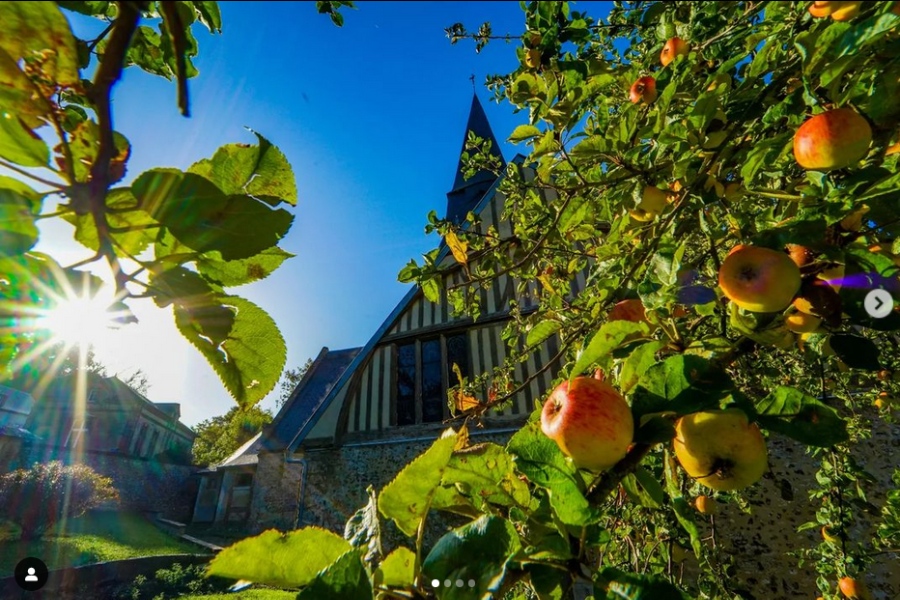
(435,583)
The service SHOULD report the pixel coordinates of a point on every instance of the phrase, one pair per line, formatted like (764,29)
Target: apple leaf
(643,488)
(609,337)
(232,273)
(541,461)
(363,529)
(18,231)
(407,498)
(248,355)
(542,332)
(637,364)
(397,570)
(485,475)
(523,133)
(204,218)
(479,552)
(260,170)
(681,384)
(857,352)
(631,586)
(683,512)
(792,413)
(20,145)
(345,579)
(271,557)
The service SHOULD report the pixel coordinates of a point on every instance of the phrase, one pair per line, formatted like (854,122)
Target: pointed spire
(467,192)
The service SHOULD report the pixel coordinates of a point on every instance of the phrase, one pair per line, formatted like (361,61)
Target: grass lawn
(95,537)
(248,595)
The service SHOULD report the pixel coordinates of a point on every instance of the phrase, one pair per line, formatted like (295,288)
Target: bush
(37,498)
(173,582)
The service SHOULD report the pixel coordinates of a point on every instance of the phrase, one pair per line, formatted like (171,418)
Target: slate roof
(246,455)
(307,398)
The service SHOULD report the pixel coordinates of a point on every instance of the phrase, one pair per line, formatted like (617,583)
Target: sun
(81,321)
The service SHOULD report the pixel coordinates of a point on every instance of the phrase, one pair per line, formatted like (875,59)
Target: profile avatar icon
(31,574)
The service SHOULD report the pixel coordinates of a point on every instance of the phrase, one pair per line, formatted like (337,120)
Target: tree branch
(108,73)
(607,483)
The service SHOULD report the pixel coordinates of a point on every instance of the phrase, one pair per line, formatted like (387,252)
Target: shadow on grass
(96,537)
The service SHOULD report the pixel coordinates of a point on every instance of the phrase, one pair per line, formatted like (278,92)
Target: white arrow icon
(879,304)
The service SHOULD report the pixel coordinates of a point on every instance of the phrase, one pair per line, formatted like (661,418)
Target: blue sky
(370,115)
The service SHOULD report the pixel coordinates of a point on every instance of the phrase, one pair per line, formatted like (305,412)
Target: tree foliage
(218,437)
(716,140)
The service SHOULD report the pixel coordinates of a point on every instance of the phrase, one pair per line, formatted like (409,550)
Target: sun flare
(81,321)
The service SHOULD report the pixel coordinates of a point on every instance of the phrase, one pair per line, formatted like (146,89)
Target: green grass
(248,595)
(95,537)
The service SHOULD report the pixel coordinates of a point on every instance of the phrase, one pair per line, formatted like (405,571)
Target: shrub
(37,498)
(174,582)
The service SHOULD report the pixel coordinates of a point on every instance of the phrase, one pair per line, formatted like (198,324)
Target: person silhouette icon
(31,574)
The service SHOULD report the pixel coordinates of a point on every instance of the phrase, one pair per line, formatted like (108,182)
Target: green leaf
(398,570)
(637,363)
(479,552)
(523,133)
(643,488)
(251,358)
(857,352)
(792,413)
(18,232)
(209,15)
(542,332)
(363,529)
(125,215)
(261,171)
(200,216)
(541,461)
(91,8)
(610,336)
(632,586)
(346,579)
(407,498)
(271,558)
(867,32)
(683,512)
(681,384)
(31,28)
(232,273)
(20,145)
(485,474)
(655,430)
(549,583)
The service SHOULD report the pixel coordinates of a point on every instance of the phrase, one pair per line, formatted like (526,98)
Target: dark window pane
(431,351)
(406,384)
(432,393)
(407,355)
(457,354)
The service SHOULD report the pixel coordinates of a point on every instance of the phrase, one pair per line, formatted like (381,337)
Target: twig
(175,27)
(25,173)
(606,483)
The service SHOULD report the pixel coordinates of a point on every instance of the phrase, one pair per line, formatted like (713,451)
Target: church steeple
(467,192)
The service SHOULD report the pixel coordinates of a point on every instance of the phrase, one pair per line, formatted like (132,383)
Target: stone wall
(275,492)
(146,485)
(337,479)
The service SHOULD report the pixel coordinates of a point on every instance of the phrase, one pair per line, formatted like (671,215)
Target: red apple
(832,140)
(643,90)
(674,48)
(589,421)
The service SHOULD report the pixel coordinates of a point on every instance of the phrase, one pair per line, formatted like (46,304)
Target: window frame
(418,398)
